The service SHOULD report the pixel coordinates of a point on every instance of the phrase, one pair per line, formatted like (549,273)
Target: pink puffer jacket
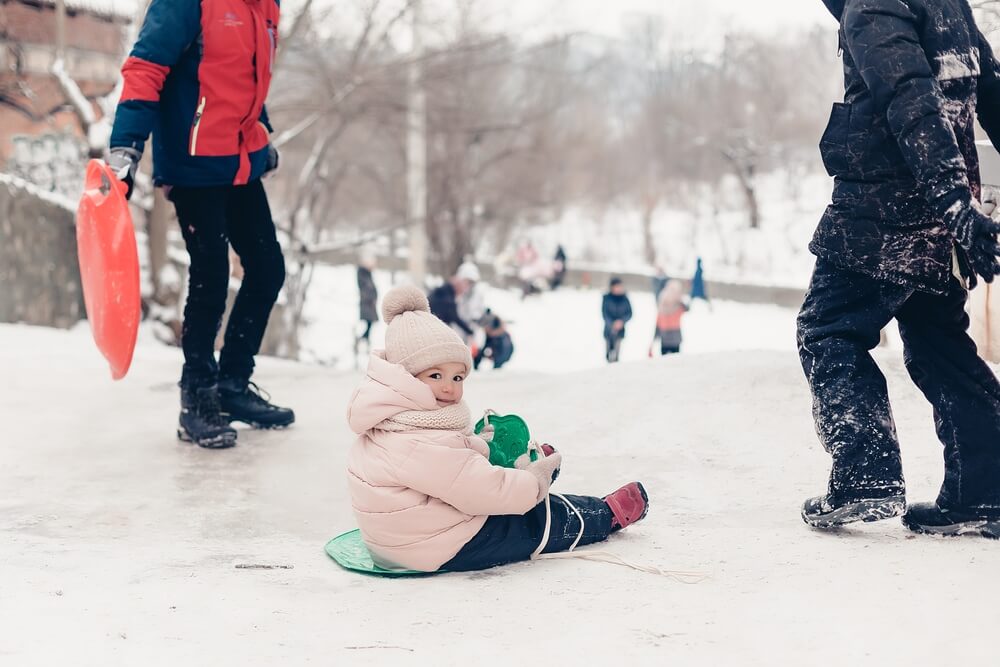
(420,495)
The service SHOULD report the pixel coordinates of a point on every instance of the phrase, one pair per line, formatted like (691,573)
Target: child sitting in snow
(423,490)
(669,313)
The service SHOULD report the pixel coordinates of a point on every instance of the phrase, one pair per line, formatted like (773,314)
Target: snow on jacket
(901,147)
(420,495)
(197,79)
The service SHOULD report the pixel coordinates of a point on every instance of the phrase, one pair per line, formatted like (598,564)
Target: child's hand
(487,433)
(544,469)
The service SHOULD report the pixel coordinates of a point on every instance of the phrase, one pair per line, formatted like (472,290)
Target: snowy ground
(120,546)
(552,332)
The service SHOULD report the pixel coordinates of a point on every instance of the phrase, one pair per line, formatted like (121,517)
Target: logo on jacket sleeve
(231,20)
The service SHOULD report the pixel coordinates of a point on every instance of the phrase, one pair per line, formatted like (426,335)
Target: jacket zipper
(197,123)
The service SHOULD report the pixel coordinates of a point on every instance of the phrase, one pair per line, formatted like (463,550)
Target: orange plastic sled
(109,266)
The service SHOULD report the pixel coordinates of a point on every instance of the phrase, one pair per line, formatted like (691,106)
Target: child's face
(618,289)
(445,381)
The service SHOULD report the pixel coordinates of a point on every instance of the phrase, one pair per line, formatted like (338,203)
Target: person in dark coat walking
(903,234)
(617,311)
(368,300)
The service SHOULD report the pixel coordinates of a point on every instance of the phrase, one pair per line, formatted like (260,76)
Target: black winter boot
(931,519)
(201,420)
(824,512)
(246,402)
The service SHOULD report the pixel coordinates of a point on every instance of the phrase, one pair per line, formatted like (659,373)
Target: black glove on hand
(977,234)
(123,162)
(273,159)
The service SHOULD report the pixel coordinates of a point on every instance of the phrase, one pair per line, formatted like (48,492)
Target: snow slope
(119,546)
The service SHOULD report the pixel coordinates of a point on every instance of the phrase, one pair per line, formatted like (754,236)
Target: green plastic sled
(510,440)
(352,554)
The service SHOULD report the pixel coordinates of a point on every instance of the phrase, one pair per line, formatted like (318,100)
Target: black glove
(123,162)
(273,159)
(977,234)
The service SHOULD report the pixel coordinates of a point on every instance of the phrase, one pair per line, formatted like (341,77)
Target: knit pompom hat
(416,339)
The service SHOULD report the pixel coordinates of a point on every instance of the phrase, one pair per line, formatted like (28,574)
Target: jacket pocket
(833,145)
(196,126)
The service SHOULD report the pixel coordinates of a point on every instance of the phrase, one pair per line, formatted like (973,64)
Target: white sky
(689,17)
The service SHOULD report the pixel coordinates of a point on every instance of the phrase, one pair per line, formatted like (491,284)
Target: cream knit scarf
(451,418)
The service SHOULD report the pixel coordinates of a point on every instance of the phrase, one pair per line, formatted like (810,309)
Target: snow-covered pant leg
(513,538)
(840,323)
(943,361)
(201,213)
(251,231)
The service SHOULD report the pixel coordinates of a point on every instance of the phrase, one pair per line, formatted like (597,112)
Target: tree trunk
(648,244)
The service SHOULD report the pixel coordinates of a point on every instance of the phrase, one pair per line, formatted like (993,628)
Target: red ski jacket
(197,79)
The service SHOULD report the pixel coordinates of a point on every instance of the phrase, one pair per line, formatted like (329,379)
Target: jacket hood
(387,390)
(836,7)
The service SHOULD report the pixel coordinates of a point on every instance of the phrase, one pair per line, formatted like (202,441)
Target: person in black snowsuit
(559,268)
(368,300)
(903,234)
(444,304)
(617,311)
(498,347)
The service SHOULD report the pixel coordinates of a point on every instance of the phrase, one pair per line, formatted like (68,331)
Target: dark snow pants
(513,538)
(501,350)
(210,219)
(612,344)
(839,324)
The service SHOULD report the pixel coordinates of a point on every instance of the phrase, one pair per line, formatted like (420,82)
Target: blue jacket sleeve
(169,28)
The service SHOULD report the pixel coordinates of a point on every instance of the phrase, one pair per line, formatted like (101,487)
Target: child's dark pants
(512,538)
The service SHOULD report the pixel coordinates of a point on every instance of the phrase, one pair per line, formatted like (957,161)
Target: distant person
(498,346)
(660,280)
(444,305)
(368,300)
(902,239)
(670,312)
(698,290)
(529,268)
(617,311)
(559,268)
(472,301)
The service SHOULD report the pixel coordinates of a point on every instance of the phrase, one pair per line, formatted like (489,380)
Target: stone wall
(39,271)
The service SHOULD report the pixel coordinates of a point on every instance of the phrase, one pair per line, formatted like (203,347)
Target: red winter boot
(628,505)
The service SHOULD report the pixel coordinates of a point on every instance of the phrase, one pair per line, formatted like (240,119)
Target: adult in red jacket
(197,79)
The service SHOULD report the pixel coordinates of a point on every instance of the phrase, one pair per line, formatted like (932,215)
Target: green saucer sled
(352,554)
(510,440)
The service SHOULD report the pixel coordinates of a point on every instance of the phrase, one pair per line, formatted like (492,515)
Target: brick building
(41,138)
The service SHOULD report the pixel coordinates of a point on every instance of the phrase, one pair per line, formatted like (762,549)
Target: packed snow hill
(122,545)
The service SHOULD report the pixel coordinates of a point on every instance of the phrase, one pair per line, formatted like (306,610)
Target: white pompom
(403,299)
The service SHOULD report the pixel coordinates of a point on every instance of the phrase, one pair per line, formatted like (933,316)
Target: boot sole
(984,528)
(865,511)
(258,425)
(224,441)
